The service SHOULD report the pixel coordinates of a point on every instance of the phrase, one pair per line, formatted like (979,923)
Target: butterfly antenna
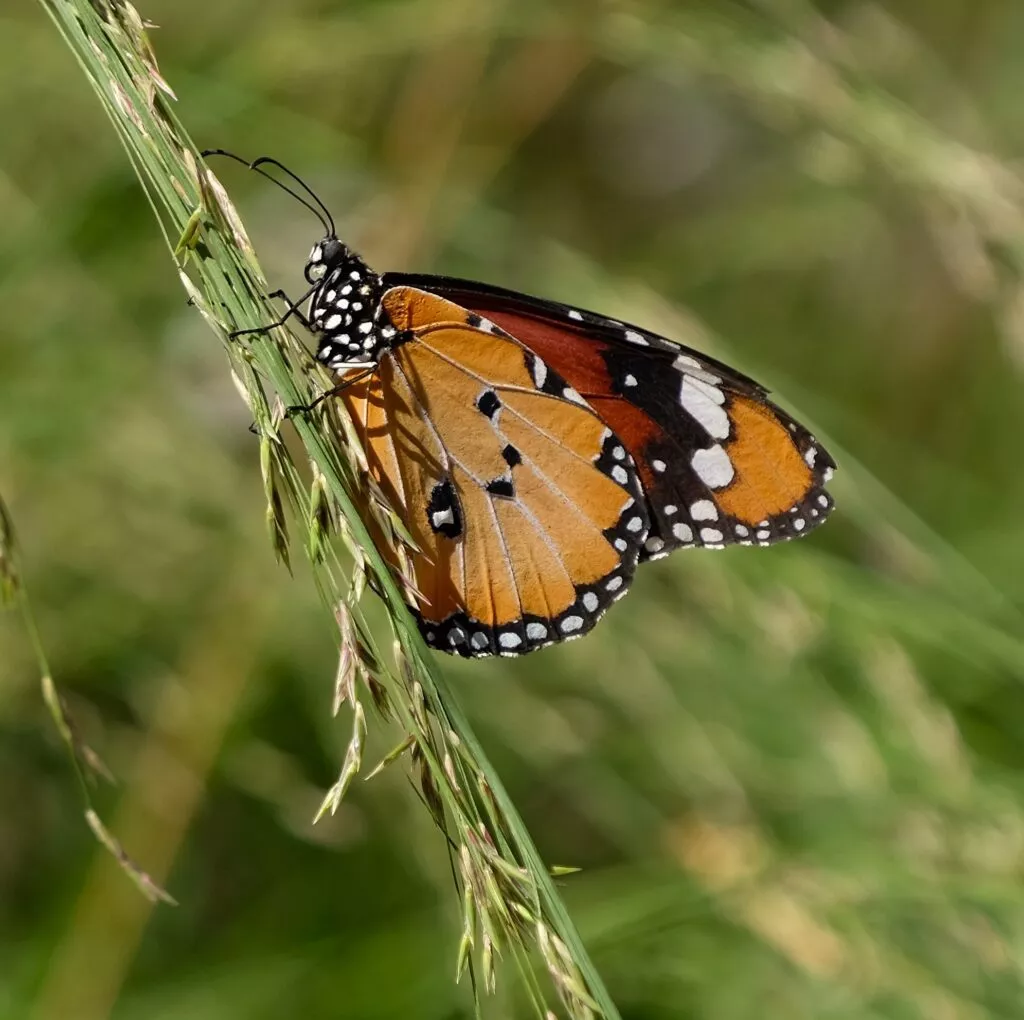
(324,217)
(300,182)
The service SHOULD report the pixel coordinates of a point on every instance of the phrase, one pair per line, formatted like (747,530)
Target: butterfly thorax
(345,309)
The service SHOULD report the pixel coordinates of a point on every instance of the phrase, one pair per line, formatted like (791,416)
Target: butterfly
(537,452)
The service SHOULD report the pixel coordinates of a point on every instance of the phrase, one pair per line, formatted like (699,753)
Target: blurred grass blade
(85,762)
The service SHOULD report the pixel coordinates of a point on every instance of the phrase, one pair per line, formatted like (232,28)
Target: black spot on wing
(488,404)
(502,487)
(511,456)
(443,511)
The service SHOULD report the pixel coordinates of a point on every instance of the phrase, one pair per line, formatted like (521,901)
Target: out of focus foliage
(791,776)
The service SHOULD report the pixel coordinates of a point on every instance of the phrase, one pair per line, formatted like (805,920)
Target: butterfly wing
(719,462)
(525,507)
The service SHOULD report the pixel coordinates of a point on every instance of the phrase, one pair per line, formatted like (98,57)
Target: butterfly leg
(294,309)
(368,369)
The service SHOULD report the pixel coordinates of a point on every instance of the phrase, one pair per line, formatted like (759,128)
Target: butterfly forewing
(719,463)
(524,505)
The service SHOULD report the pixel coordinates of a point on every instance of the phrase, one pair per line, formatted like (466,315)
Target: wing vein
(508,560)
(542,432)
(516,389)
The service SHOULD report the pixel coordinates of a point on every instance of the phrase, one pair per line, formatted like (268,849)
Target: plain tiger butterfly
(538,452)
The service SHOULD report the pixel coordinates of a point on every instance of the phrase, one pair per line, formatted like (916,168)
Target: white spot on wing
(509,640)
(636,338)
(571,624)
(333,322)
(573,314)
(590,602)
(691,366)
(713,467)
(536,631)
(810,455)
(703,403)
(540,372)
(630,380)
(704,510)
(683,532)
(711,535)
(620,474)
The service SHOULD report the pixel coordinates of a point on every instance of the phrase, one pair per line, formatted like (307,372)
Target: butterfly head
(326,255)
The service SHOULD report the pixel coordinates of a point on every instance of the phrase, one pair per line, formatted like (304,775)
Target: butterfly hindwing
(719,463)
(525,507)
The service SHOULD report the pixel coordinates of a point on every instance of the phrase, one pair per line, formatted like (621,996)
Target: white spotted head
(326,254)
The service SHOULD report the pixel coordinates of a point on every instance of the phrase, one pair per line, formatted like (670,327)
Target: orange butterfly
(537,452)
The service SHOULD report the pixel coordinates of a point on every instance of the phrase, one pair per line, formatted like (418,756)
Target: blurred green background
(792,776)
